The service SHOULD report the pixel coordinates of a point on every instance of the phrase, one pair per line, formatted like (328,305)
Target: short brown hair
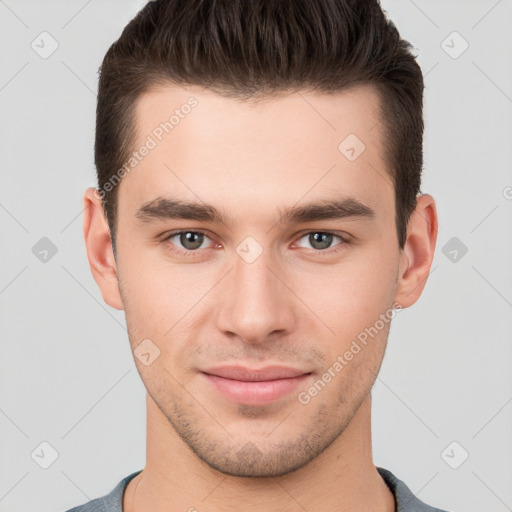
(251,48)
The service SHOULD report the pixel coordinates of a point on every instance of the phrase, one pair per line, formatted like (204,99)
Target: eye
(190,241)
(322,240)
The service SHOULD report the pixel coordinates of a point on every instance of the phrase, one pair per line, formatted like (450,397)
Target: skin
(293,305)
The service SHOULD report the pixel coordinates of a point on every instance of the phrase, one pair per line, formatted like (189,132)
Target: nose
(255,302)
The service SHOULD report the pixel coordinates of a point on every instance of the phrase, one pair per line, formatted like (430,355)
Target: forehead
(273,151)
(300,113)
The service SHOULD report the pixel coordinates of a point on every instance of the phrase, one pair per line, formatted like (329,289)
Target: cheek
(350,294)
(150,300)
(165,301)
(162,302)
(149,282)
(349,299)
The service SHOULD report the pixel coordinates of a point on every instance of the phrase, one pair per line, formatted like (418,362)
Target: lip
(255,386)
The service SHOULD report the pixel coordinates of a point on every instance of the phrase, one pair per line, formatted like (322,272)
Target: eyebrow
(163,208)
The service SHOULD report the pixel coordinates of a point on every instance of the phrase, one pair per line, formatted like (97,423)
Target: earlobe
(418,252)
(99,249)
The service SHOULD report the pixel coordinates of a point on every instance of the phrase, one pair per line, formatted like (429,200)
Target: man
(258,219)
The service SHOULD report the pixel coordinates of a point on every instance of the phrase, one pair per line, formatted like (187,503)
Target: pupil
(324,240)
(187,240)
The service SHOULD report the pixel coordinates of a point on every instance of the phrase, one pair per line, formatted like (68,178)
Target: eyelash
(193,253)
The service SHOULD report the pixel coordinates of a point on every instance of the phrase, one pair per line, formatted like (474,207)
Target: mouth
(261,386)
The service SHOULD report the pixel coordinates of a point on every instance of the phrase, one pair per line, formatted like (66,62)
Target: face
(251,275)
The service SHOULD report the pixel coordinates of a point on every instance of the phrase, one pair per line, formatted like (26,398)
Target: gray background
(67,374)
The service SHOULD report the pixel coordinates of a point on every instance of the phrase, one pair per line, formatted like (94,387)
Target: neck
(342,478)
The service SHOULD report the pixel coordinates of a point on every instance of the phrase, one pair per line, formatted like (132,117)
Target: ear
(99,248)
(418,252)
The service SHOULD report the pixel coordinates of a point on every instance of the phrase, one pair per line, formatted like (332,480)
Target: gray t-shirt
(405,499)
